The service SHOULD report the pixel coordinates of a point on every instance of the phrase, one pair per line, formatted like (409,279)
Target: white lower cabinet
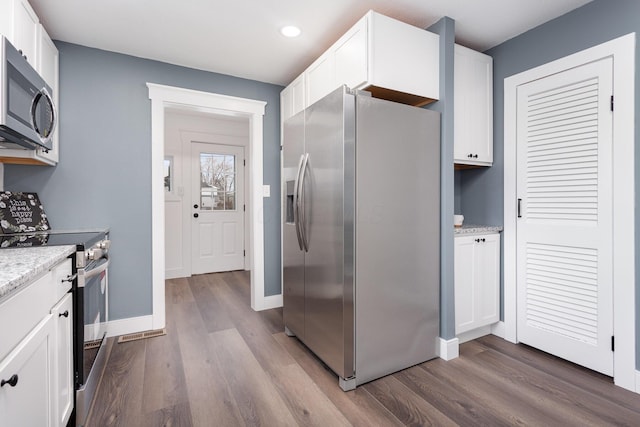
(36,352)
(477,281)
(27,380)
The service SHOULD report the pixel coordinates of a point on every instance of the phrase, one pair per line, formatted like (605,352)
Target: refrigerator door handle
(301,214)
(296,203)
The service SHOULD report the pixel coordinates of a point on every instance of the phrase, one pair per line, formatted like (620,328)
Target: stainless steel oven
(91,318)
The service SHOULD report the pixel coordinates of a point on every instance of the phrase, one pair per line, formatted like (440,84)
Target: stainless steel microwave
(27,113)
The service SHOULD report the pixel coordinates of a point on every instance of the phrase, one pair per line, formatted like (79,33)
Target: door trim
(622,50)
(163,97)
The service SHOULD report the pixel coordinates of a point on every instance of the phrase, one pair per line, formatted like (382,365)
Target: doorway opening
(164,98)
(206,194)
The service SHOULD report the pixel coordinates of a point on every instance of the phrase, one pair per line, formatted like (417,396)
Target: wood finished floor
(222,364)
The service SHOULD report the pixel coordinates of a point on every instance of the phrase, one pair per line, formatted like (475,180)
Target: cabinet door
(321,77)
(6,23)
(351,56)
(63,360)
(47,66)
(487,261)
(464,278)
(292,99)
(473,107)
(29,401)
(25,28)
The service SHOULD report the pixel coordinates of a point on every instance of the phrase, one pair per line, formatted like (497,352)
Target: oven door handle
(85,275)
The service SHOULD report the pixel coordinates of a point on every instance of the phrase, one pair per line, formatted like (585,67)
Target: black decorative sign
(21,213)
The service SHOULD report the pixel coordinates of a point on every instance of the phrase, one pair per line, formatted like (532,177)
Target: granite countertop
(477,229)
(20,266)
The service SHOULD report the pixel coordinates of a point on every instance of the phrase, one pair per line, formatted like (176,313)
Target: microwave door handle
(296,203)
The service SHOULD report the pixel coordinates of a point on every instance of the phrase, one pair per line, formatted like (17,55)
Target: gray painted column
(445,27)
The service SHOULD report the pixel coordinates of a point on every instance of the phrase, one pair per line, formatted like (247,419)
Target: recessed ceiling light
(290,31)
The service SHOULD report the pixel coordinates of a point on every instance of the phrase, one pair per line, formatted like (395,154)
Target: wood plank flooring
(222,364)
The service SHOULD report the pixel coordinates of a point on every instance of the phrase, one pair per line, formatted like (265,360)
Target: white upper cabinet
(403,60)
(20,24)
(391,59)
(25,30)
(292,98)
(351,56)
(47,66)
(473,108)
(320,78)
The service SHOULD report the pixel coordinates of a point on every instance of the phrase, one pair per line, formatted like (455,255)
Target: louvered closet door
(564,148)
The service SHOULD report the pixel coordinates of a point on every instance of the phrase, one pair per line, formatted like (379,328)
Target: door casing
(622,50)
(168,97)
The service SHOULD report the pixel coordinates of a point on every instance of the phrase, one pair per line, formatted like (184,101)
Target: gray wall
(590,25)
(103,178)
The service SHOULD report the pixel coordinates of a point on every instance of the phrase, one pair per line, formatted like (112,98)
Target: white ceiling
(241,37)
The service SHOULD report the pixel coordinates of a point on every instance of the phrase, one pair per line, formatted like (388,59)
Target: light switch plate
(266,191)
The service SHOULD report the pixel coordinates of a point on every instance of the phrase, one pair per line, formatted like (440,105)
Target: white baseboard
(638,382)
(272,301)
(174,273)
(129,325)
(499,329)
(473,334)
(448,348)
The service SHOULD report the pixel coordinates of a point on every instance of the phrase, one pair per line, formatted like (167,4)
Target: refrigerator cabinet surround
(361,238)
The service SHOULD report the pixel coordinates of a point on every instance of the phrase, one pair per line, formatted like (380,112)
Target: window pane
(207,198)
(230,201)
(218,181)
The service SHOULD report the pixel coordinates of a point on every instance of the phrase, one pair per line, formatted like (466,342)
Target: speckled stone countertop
(20,266)
(477,229)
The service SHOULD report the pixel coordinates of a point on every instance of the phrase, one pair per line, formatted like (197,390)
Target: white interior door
(217,208)
(564,225)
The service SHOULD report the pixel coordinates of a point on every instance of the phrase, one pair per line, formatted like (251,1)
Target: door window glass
(217,182)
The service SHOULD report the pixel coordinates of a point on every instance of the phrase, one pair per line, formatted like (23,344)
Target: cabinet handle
(481,240)
(13,381)
(65,314)
(69,278)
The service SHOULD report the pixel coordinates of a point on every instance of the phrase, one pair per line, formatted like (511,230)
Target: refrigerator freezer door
(397,236)
(329,328)
(292,254)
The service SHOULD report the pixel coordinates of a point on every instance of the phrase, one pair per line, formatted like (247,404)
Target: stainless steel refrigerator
(361,234)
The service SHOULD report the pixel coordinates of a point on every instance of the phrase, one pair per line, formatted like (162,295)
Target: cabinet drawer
(22,312)
(61,276)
